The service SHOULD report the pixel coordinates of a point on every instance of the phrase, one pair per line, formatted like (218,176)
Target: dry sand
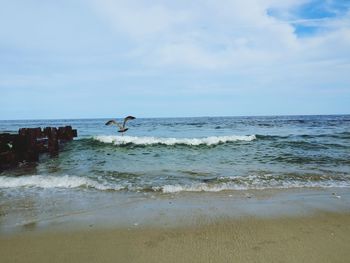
(316,238)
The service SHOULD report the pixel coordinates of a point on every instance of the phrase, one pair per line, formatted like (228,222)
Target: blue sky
(110,58)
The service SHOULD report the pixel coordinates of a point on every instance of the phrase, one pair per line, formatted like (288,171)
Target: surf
(209,141)
(51,181)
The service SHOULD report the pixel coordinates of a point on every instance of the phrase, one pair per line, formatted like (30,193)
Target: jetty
(29,143)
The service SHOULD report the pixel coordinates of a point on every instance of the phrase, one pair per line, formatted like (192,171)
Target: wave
(260,182)
(212,140)
(251,182)
(204,187)
(49,181)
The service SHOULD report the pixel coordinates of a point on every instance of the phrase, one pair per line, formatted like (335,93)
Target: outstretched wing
(113,122)
(128,118)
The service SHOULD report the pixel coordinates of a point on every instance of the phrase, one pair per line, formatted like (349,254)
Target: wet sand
(258,226)
(322,237)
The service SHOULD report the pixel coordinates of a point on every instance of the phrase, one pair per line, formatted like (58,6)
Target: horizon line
(175,117)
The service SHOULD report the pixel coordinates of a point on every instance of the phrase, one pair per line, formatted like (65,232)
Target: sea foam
(251,182)
(50,181)
(212,140)
(203,187)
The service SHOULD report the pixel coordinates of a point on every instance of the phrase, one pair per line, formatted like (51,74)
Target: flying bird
(122,128)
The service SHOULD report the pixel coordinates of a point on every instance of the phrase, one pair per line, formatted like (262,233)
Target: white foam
(203,187)
(212,140)
(66,181)
(49,181)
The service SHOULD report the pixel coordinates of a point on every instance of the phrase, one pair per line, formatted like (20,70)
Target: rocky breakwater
(29,143)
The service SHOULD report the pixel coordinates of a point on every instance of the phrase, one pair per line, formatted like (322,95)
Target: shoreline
(290,225)
(320,237)
(80,210)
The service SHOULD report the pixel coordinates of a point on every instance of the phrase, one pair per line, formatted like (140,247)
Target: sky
(112,58)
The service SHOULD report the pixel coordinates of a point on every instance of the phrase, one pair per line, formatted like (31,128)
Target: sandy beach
(259,226)
(319,238)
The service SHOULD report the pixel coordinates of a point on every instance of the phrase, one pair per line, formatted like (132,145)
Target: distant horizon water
(175,117)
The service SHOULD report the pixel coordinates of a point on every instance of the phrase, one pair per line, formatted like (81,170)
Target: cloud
(164,48)
(139,19)
(231,34)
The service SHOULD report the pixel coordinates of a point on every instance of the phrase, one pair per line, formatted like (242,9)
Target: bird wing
(128,118)
(113,122)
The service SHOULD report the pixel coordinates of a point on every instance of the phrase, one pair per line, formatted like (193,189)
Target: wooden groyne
(29,143)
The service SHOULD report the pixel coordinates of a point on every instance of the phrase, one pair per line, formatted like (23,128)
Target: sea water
(165,170)
(210,154)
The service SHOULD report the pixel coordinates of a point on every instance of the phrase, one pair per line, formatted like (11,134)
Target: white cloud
(139,19)
(161,49)
(215,35)
(209,35)
(230,36)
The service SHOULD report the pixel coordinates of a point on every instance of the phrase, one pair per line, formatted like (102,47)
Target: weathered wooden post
(52,136)
(66,133)
(30,142)
(7,156)
(30,151)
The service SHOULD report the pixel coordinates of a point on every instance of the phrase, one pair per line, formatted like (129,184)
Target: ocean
(169,170)
(206,154)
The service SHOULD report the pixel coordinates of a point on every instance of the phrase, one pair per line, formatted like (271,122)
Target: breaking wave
(252,182)
(212,140)
(204,187)
(49,181)
(260,182)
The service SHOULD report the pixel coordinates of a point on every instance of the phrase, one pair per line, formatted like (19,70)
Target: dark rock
(30,142)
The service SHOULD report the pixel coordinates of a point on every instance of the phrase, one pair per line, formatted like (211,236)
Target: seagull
(122,128)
